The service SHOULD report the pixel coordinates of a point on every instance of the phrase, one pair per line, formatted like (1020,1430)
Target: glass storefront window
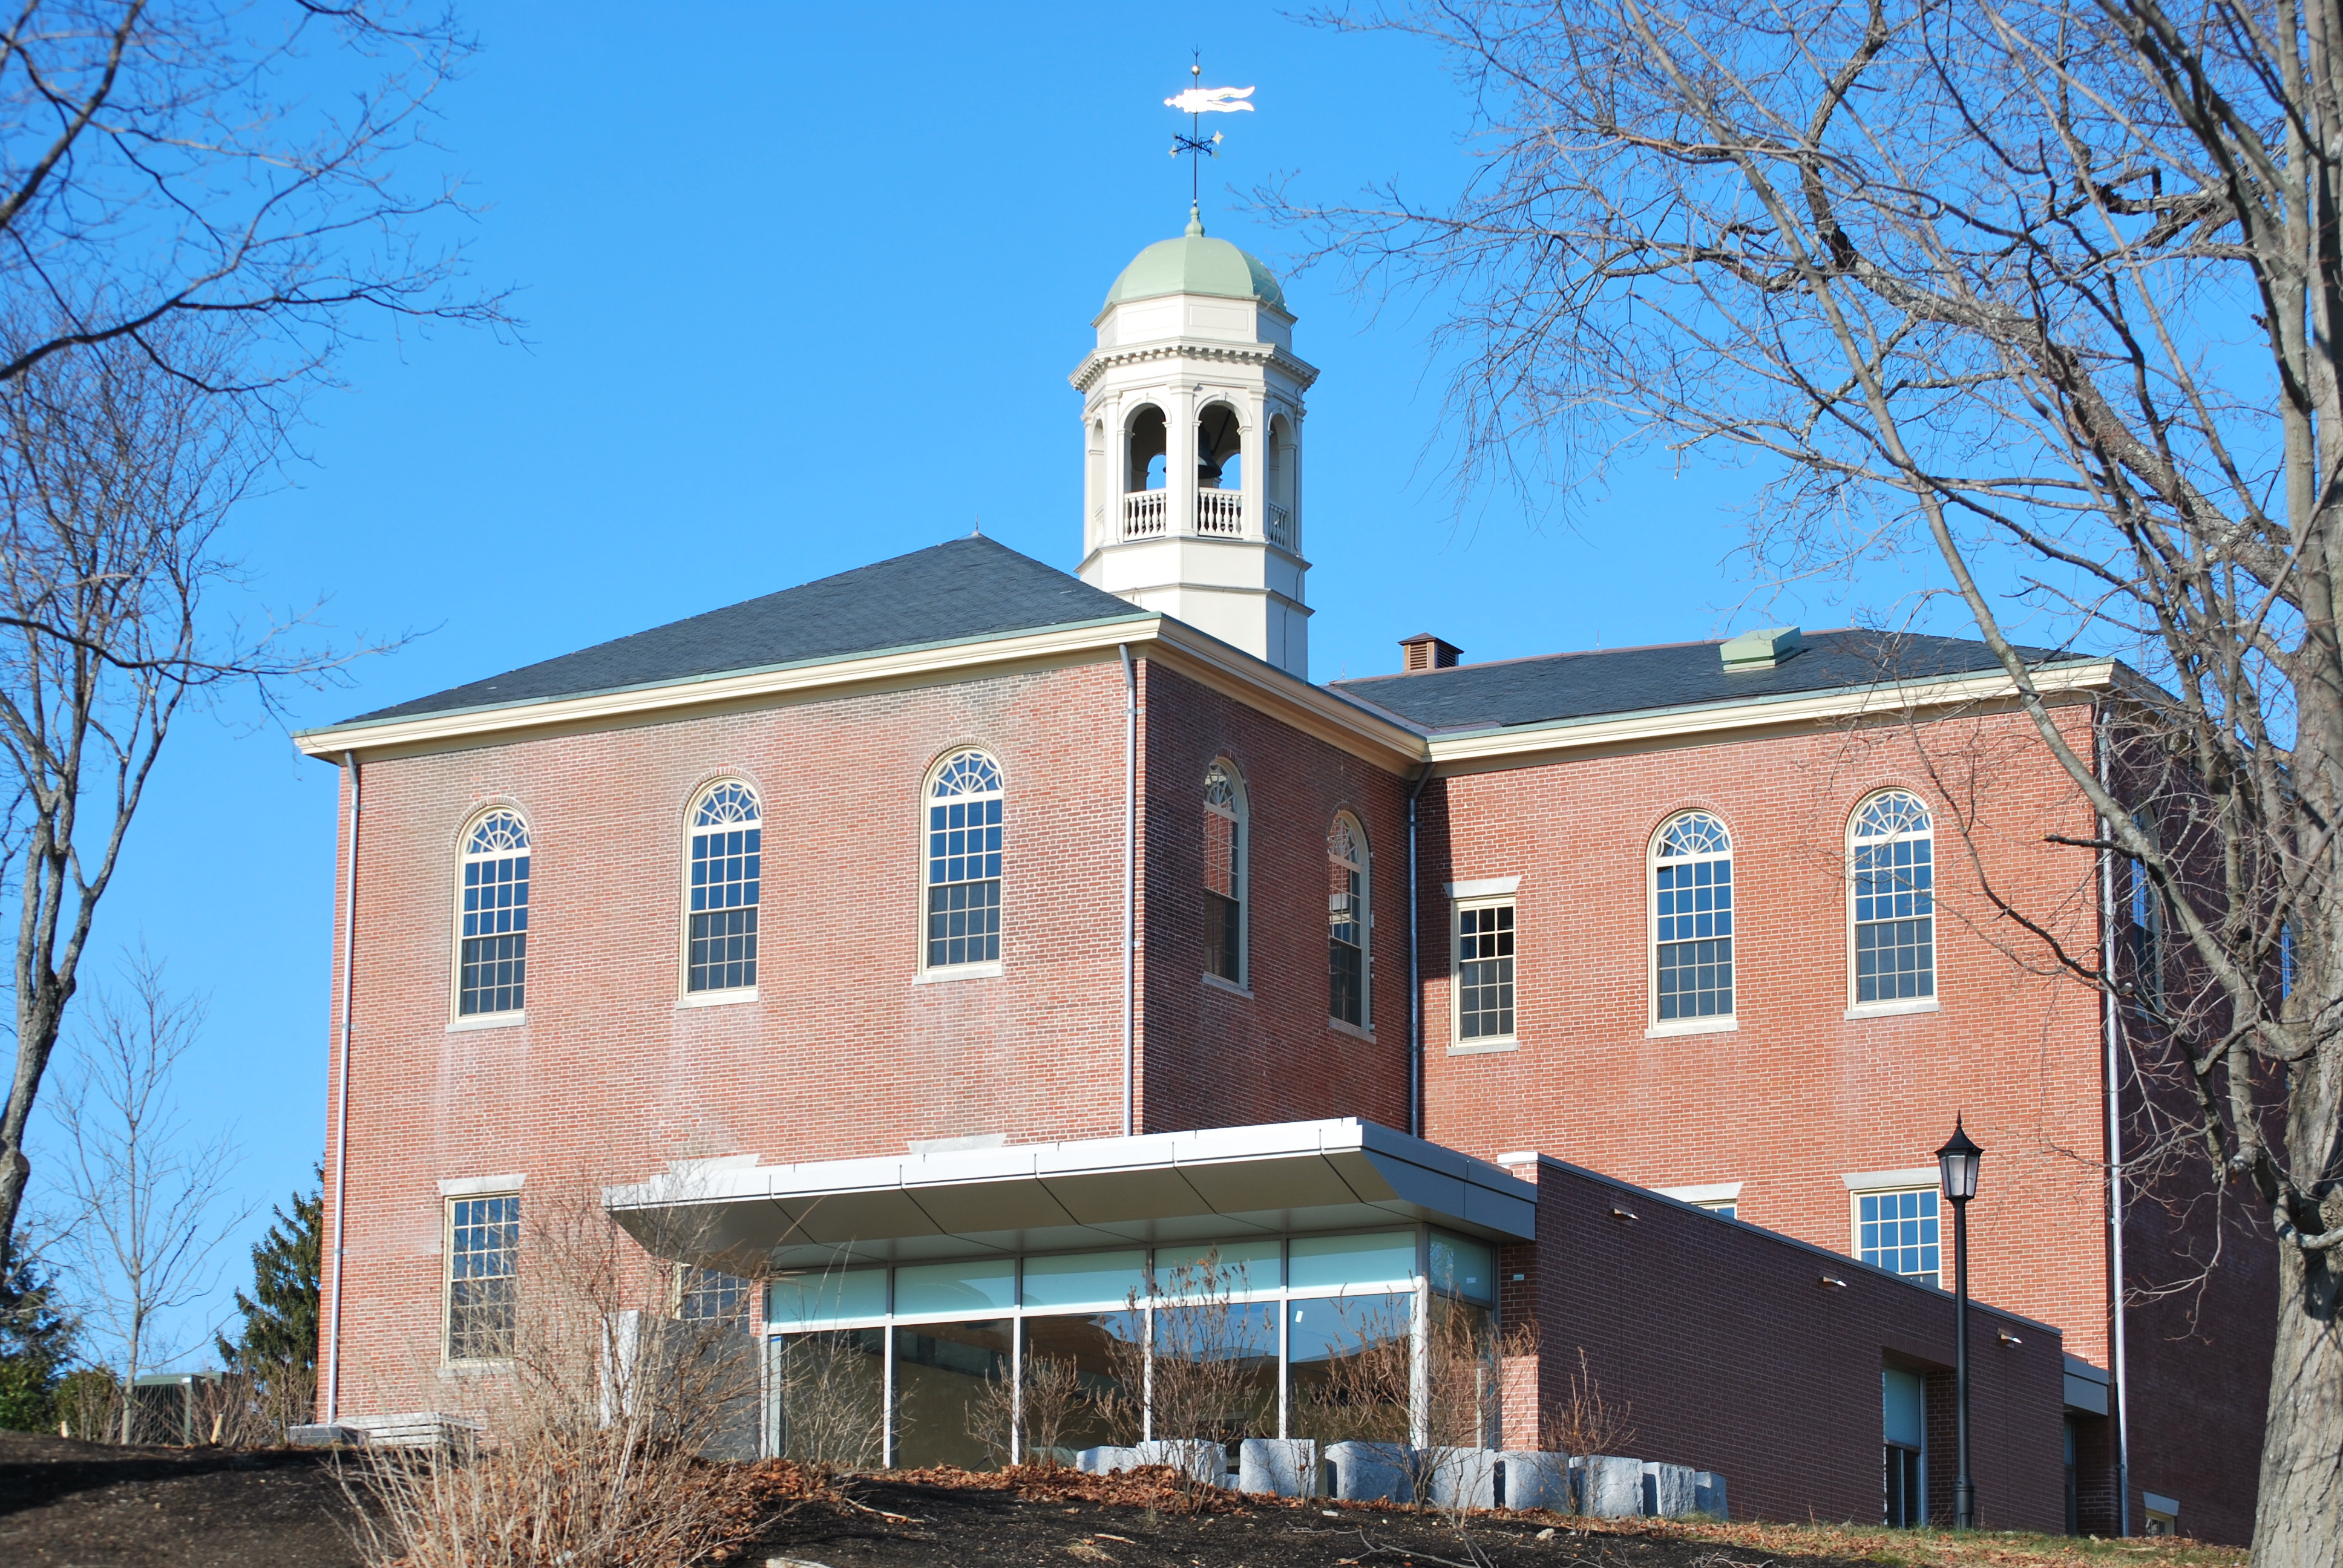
(1099,1280)
(1346,1262)
(830,1397)
(825,1296)
(986,1285)
(1348,1367)
(945,1379)
(1081,1381)
(1254,1263)
(1465,1268)
(1216,1370)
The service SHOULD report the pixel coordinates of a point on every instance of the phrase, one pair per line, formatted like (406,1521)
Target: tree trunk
(2300,1512)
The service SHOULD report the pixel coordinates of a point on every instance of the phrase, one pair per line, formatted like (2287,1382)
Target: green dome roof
(1193,264)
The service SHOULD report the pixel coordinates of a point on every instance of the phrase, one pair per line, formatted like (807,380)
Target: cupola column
(1179,459)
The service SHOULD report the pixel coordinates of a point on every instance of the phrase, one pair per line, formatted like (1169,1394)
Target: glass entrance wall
(1318,1335)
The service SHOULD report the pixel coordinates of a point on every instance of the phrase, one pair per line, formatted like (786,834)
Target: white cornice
(1099,360)
(1526,743)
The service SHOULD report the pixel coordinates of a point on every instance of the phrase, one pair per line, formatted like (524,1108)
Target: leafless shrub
(1049,1403)
(1584,1421)
(1208,1374)
(830,1384)
(596,1428)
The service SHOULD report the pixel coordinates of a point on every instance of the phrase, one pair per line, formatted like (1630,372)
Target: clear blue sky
(801,287)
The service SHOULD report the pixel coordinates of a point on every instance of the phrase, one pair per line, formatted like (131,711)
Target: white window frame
(1365,862)
(982,967)
(1510,1040)
(1714,1023)
(719,996)
(1934,1001)
(1239,812)
(451,1194)
(457,1019)
(1886,1184)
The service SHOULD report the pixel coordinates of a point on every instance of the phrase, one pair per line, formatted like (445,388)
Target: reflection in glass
(830,1394)
(1099,1407)
(825,1295)
(1104,1280)
(1346,1262)
(941,1374)
(1349,1368)
(1216,1372)
(986,1285)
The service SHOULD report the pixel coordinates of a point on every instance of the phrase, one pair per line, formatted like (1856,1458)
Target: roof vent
(1760,649)
(1425,651)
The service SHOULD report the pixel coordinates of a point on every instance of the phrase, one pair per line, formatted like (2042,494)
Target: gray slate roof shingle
(966,589)
(1566,686)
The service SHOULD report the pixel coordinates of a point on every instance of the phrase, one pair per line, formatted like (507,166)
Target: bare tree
(2048,290)
(145,1201)
(161,159)
(196,196)
(118,471)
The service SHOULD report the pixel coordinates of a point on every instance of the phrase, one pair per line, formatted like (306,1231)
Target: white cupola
(1192,421)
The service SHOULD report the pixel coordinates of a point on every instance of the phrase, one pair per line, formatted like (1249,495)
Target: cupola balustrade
(1220,514)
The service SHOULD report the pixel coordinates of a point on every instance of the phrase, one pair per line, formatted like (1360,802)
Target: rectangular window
(710,1296)
(964,882)
(495,957)
(1895,921)
(1696,940)
(1484,973)
(1903,1481)
(483,1258)
(1897,1231)
(1725,1207)
(1223,914)
(727,873)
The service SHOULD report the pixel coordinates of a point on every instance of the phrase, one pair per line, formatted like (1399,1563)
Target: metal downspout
(2113,1030)
(1414,972)
(342,1099)
(1130,882)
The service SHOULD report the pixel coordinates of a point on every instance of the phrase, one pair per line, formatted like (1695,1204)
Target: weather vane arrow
(1195,103)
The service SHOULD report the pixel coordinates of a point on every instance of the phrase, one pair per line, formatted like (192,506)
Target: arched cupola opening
(1219,470)
(1148,448)
(1281,470)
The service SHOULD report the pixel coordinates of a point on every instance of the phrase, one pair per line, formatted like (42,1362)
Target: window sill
(958,972)
(1677,1026)
(1352,1029)
(1230,986)
(719,998)
(476,1368)
(486,1020)
(1484,1047)
(1893,1009)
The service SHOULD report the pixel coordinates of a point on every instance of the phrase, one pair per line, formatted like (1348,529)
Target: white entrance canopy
(1221,1182)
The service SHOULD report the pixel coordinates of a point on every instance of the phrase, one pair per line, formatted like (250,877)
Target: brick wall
(842,1053)
(1736,1356)
(1798,1095)
(1218,1058)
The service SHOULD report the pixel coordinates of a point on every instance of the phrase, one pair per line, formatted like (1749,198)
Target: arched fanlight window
(1224,873)
(1692,920)
(964,863)
(726,878)
(1893,855)
(492,930)
(1347,923)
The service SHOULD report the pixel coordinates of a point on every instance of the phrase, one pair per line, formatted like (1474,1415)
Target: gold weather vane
(1197,102)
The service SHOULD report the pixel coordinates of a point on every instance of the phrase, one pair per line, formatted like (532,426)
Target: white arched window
(1893,854)
(728,853)
(1348,922)
(1224,873)
(492,927)
(1692,920)
(964,863)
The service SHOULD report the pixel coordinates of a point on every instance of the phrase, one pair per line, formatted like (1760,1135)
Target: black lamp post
(1957,1163)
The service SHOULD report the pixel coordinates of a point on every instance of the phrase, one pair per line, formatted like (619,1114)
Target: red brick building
(964,939)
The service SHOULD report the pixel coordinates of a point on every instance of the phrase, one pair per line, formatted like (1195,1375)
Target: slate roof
(1566,686)
(966,590)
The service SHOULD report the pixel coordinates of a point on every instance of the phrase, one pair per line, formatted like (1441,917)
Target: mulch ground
(67,1504)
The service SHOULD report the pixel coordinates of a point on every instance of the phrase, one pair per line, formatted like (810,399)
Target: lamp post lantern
(1956,1164)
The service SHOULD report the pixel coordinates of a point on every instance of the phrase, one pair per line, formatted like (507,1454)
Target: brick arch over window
(492,915)
(725,844)
(1350,922)
(1690,880)
(1226,847)
(1891,894)
(964,799)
